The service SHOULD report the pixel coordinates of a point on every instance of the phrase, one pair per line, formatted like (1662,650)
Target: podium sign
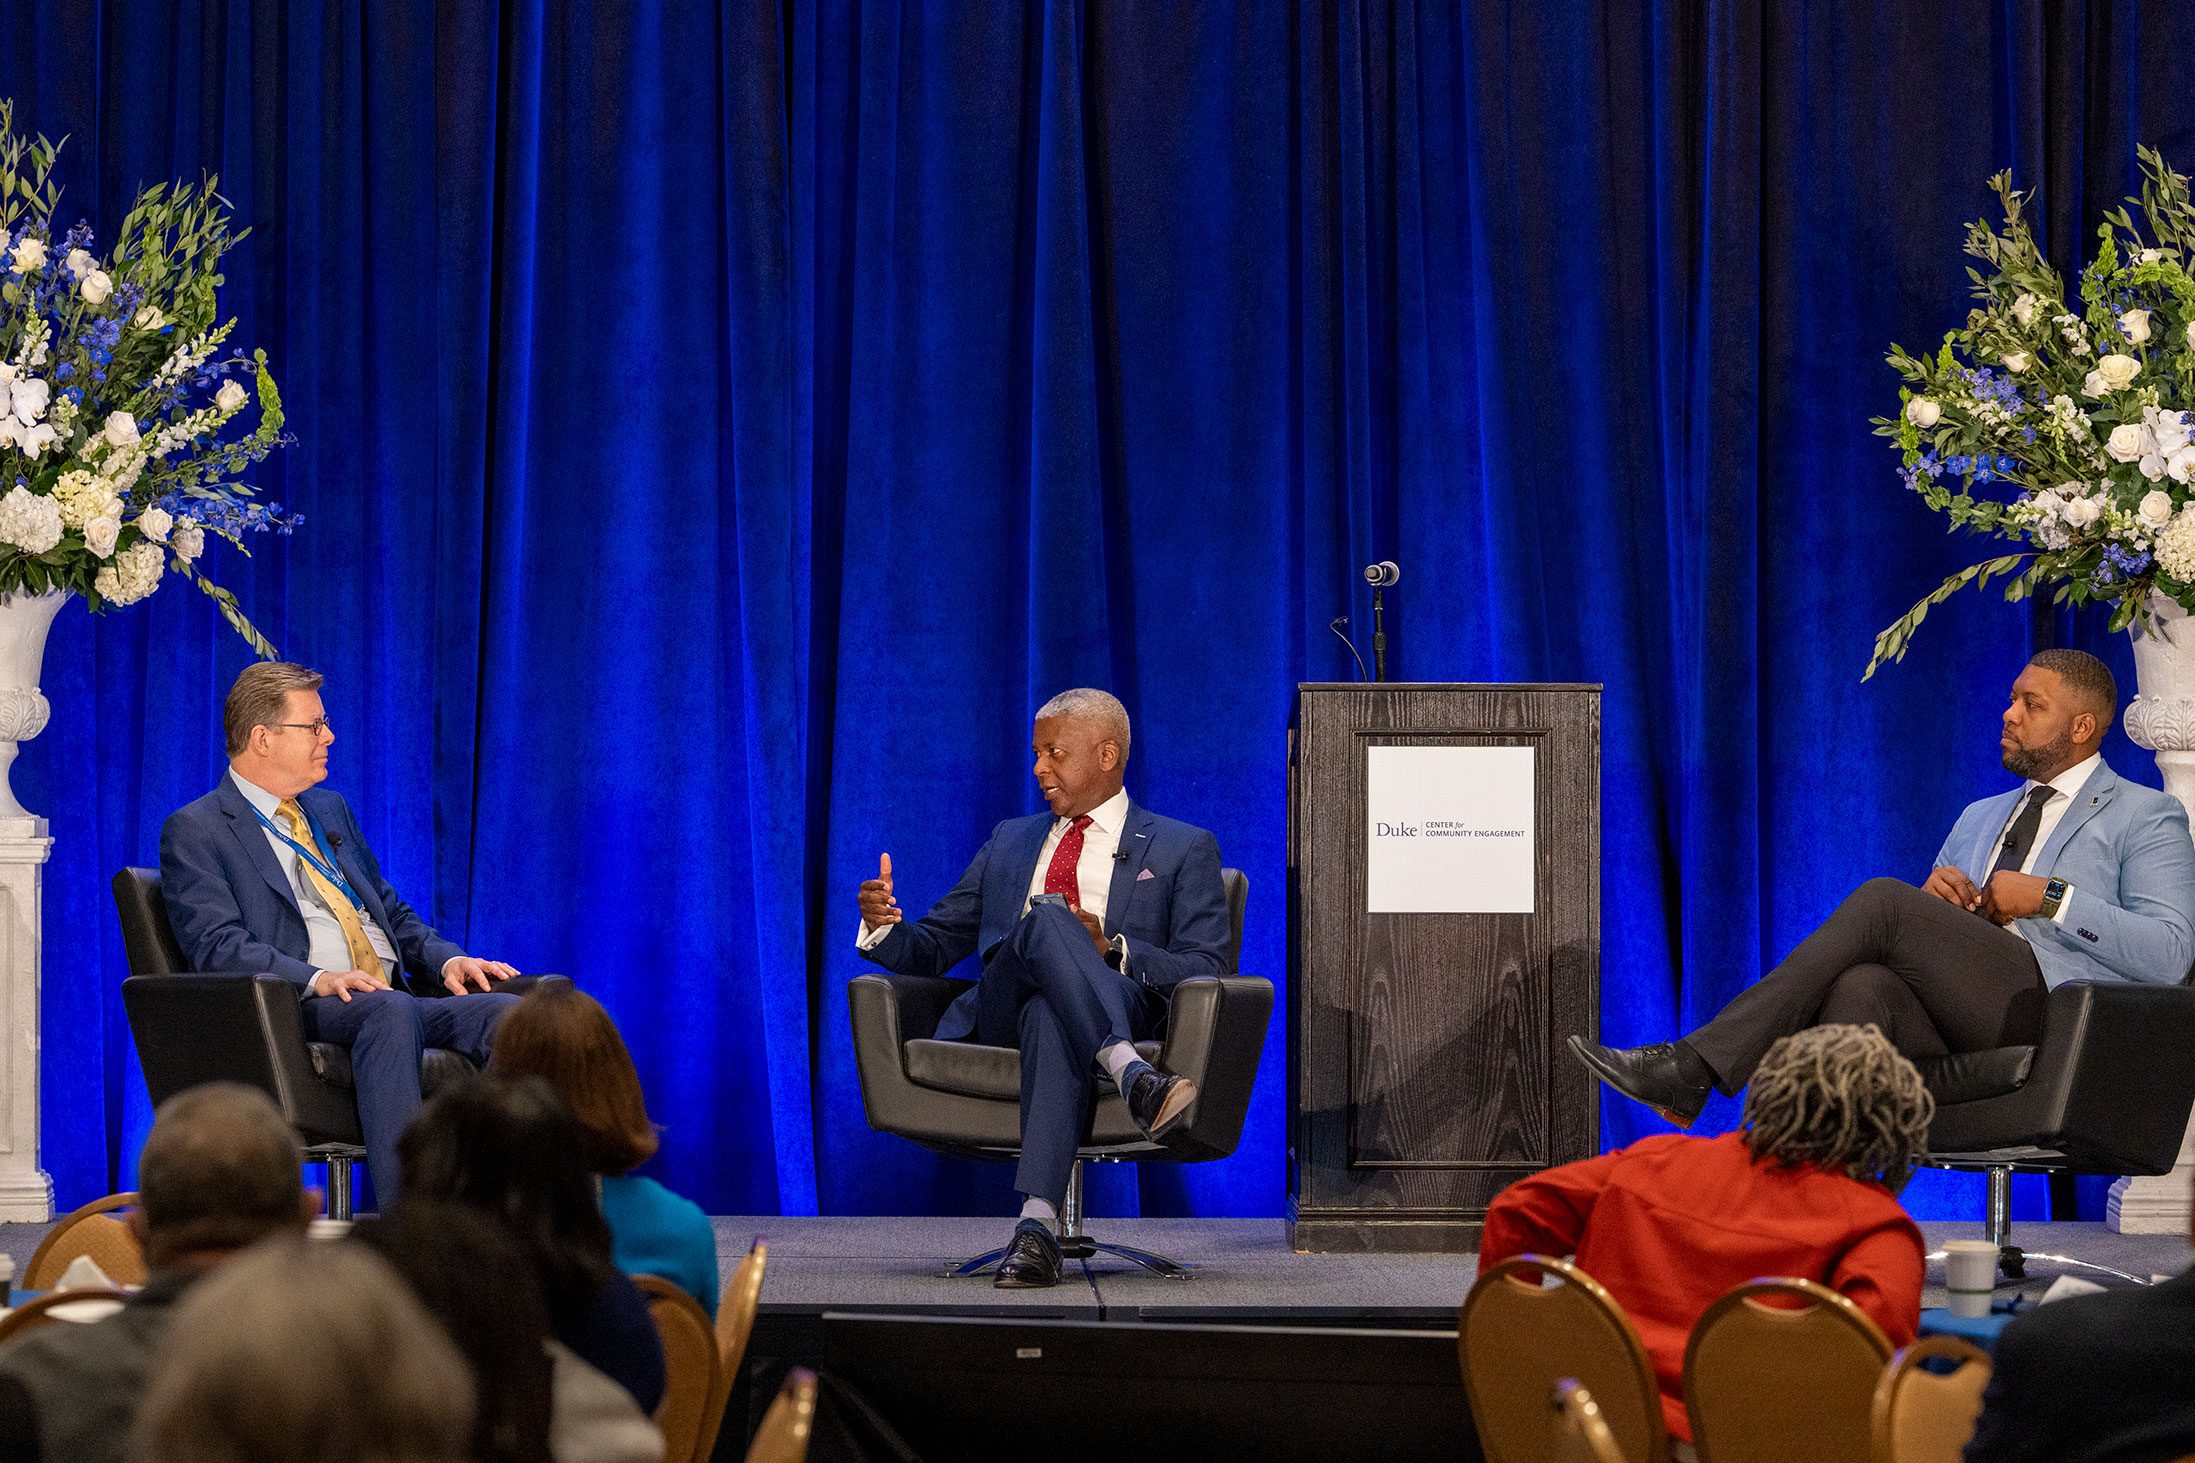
(1444,910)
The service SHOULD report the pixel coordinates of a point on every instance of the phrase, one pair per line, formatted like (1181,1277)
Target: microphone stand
(1379,636)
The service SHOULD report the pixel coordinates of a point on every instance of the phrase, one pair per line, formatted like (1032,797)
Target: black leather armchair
(192,1027)
(2107,1091)
(965,1099)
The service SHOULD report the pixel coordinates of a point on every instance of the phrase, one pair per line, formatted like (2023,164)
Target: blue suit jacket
(1175,921)
(231,903)
(2125,850)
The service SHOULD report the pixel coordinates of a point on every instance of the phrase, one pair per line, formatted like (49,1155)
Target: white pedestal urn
(2161,717)
(26,1193)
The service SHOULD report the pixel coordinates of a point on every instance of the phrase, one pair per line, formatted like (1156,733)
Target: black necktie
(2024,827)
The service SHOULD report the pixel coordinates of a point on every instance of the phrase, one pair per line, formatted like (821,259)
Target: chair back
(783,1436)
(1925,1416)
(1583,1435)
(691,1374)
(735,1322)
(92,1230)
(148,940)
(1237,885)
(1532,1324)
(32,1314)
(1783,1371)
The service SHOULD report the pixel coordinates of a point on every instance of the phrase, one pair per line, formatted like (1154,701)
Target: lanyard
(323,860)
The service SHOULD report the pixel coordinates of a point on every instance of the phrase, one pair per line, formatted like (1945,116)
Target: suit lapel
(1135,842)
(1023,867)
(2093,798)
(245,824)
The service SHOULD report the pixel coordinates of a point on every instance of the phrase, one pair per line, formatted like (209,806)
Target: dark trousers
(1936,978)
(386,1031)
(1049,992)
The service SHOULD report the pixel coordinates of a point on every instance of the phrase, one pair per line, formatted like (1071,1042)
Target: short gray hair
(219,1170)
(305,1339)
(260,695)
(1087,703)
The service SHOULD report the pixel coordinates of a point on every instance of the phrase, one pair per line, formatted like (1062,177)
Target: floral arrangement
(2065,430)
(118,448)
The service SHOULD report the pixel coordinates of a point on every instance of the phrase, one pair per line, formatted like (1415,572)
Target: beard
(2027,761)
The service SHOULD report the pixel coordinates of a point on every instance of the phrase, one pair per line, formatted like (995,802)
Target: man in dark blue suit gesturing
(1086,919)
(269,875)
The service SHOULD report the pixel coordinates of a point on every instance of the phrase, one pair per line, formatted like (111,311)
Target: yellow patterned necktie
(363,955)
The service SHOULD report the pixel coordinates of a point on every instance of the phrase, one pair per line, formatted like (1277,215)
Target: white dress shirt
(2064,788)
(329,950)
(1093,871)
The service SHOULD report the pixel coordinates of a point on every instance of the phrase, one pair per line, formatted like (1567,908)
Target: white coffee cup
(1970,1275)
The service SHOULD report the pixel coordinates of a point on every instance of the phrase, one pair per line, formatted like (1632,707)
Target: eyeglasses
(316,726)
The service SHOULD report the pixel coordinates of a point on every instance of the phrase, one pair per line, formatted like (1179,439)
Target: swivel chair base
(1997,1228)
(338,1157)
(1074,1244)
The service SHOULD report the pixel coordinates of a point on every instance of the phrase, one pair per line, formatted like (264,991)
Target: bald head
(219,1171)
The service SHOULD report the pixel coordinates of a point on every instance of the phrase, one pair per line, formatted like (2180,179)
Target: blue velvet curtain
(719,428)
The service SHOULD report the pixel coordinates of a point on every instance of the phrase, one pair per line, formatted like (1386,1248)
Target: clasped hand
(2006,897)
(879,908)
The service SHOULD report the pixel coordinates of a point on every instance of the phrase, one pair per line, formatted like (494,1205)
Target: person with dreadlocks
(1807,1187)
(2075,874)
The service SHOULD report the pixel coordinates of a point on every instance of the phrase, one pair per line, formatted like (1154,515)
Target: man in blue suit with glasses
(2073,875)
(269,874)
(1086,918)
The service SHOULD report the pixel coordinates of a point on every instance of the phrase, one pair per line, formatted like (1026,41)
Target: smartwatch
(2054,894)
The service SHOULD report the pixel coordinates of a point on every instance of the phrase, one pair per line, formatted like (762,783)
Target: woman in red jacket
(1808,1188)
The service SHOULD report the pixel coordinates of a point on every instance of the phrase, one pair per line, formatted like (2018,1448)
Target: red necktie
(1060,877)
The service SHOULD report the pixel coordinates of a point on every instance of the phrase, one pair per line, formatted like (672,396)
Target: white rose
(154,523)
(121,429)
(2136,325)
(149,318)
(29,255)
(2079,513)
(2017,361)
(96,287)
(2156,509)
(78,263)
(2125,443)
(189,540)
(29,399)
(2023,309)
(229,397)
(2118,371)
(1922,412)
(100,535)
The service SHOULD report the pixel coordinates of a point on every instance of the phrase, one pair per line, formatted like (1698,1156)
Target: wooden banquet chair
(91,1231)
(1783,1371)
(693,1378)
(963,1098)
(1521,1341)
(735,1325)
(32,1314)
(1584,1435)
(1925,1416)
(783,1435)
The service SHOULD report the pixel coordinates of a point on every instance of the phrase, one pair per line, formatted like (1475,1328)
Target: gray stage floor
(1244,1269)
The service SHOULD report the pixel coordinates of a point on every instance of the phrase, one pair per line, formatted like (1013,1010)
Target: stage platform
(1244,1271)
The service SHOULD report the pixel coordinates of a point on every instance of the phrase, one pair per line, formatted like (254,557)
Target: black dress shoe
(1157,1100)
(1032,1261)
(1647,1074)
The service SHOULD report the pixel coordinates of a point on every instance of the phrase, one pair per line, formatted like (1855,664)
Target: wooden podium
(1428,1007)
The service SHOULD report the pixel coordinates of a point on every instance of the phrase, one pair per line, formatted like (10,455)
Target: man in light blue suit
(2073,875)
(1086,918)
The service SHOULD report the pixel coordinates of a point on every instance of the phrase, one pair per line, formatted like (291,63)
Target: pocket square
(1146,874)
